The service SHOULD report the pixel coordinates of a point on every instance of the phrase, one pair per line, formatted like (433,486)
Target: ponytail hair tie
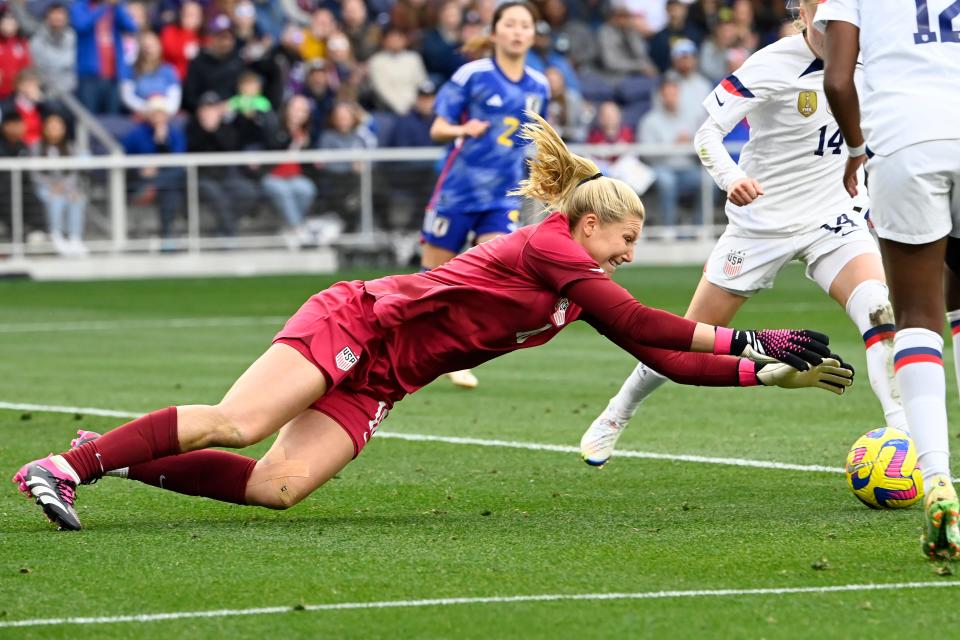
(593,177)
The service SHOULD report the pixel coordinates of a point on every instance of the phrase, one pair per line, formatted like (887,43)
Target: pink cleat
(53,487)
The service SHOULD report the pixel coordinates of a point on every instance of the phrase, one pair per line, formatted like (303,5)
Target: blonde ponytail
(564,181)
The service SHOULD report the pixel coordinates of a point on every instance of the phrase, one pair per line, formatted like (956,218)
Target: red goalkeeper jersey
(518,291)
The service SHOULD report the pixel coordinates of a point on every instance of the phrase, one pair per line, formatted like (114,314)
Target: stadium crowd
(170,76)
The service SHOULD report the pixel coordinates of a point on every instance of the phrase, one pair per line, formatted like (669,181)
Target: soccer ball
(882,469)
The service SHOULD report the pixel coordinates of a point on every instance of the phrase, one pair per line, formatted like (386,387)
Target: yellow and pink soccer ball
(882,469)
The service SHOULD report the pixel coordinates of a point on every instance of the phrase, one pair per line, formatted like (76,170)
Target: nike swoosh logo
(846,233)
(717,99)
(598,270)
(162,478)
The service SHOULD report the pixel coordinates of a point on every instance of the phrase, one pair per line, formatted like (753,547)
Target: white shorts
(744,264)
(915,192)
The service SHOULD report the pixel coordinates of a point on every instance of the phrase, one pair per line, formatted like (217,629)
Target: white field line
(154,323)
(507,444)
(446,602)
(481,442)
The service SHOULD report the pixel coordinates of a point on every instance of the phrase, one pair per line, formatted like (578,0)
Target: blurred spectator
(412,17)
(128,41)
(27,12)
(181,40)
(364,34)
(623,49)
(316,88)
(705,14)
(571,36)
(744,24)
(245,27)
(250,113)
(322,25)
(395,72)
(61,192)
(288,61)
(693,86)
(216,68)
(28,101)
(648,16)
(441,45)
(54,50)
(288,188)
(472,30)
(609,128)
(11,139)
(566,110)
(150,76)
(678,27)
(343,133)
(99,26)
(255,51)
(224,189)
(676,176)
(343,73)
(713,56)
(788,28)
(271,17)
(413,128)
(543,55)
(14,53)
(156,134)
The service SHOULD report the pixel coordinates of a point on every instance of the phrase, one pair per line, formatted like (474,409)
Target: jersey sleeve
(839,10)
(702,369)
(452,98)
(615,313)
(741,91)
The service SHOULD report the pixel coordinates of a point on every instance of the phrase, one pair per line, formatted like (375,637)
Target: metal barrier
(372,171)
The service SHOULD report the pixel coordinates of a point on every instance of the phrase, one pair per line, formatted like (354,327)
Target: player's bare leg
(951,291)
(711,305)
(861,289)
(279,386)
(309,450)
(915,274)
(434,256)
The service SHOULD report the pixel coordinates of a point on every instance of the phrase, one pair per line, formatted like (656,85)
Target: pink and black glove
(798,348)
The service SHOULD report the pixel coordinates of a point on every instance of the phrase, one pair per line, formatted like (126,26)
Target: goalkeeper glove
(798,348)
(832,374)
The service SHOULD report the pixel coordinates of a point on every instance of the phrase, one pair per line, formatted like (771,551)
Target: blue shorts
(449,229)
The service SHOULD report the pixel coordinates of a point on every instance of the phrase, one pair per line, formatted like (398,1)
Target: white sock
(641,382)
(918,361)
(64,466)
(869,308)
(953,317)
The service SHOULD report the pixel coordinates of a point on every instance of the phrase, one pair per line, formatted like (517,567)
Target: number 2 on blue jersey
(512,124)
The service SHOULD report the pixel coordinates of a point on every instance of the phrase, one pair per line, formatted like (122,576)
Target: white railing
(367,235)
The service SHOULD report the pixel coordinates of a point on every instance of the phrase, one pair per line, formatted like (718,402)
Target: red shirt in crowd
(14,58)
(180,46)
(32,121)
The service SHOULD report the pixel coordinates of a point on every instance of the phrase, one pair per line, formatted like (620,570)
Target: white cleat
(599,440)
(464,379)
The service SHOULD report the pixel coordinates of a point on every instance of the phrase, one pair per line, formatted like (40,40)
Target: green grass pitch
(422,520)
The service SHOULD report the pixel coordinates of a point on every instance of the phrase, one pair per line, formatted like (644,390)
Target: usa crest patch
(733,264)
(346,359)
(559,316)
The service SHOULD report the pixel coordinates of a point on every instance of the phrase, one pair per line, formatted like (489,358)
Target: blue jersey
(478,172)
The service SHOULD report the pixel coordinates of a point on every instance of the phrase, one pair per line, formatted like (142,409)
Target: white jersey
(796,151)
(911,61)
